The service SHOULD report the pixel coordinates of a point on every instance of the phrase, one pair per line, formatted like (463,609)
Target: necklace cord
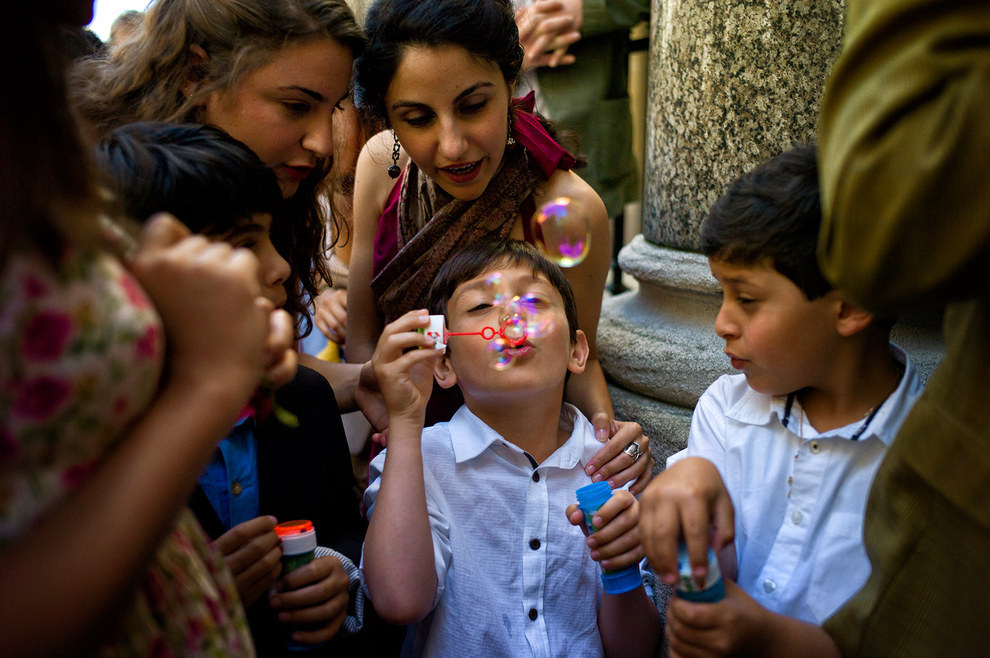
(870,415)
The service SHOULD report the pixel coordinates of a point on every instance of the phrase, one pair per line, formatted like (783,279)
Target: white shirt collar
(475,437)
(760,409)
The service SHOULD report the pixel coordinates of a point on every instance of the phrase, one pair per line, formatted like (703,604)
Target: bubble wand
(510,335)
(511,332)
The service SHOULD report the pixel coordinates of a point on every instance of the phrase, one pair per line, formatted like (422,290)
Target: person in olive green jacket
(905,155)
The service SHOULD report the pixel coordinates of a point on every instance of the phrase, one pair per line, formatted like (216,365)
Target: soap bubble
(499,351)
(514,331)
(497,288)
(515,326)
(538,322)
(562,230)
(514,308)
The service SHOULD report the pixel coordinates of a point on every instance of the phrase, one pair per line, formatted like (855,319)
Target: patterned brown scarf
(433,226)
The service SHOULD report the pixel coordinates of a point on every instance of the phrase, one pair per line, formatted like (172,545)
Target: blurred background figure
(125,27)
(577,58)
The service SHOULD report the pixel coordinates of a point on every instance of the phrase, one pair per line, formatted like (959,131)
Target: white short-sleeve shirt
(799,495)
(515,578)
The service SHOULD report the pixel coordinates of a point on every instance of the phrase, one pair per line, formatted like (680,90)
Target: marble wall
(731,84)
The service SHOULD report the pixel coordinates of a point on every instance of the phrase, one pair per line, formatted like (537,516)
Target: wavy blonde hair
(143,80)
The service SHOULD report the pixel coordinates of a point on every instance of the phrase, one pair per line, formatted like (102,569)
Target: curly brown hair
(143,80)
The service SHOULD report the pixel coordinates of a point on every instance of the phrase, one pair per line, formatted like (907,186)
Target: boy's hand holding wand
(403,582)
(403,364)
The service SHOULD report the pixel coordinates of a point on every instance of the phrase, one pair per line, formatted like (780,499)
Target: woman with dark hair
(463,161)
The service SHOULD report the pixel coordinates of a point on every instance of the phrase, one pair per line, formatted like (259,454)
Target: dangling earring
(394,171)
(510,141)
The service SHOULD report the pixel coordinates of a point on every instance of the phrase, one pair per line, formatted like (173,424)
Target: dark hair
(80,42)
(206,178)
(485,28)
(488,256)
(48,194)
(773,213)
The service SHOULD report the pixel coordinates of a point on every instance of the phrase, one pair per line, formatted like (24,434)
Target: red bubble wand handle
(511,332)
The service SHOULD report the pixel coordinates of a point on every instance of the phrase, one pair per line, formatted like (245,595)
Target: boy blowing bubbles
(780,459)
(469,520)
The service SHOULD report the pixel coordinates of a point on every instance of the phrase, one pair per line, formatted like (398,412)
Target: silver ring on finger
(634,451)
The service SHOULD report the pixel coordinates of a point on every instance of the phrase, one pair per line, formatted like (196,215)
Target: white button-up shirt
(799,495)
(515,578)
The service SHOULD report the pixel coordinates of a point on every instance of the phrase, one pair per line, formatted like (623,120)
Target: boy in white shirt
(472,535)
(780,458)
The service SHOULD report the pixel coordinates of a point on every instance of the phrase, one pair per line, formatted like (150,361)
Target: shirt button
(534,543)
(533,614)
(769,586)
(536,476)
(797,517)
(816,447)
(236,489)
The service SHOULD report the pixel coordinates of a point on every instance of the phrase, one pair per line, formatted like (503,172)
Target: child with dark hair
(779,458)
(508,573)
(200,174)
(266,470)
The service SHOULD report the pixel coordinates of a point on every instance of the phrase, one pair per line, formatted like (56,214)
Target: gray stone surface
(730,84)
(666,425)
(658,341)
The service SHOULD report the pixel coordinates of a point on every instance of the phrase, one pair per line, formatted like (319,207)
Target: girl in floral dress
(102,430)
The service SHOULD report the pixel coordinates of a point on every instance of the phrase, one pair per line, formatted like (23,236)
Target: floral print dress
(81,352)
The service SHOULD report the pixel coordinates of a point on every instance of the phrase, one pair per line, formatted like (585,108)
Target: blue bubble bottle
(615,581)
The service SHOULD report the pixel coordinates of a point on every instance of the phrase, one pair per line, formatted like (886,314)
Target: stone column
(730,84)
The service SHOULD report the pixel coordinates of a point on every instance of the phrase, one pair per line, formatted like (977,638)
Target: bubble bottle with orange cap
(298,549)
